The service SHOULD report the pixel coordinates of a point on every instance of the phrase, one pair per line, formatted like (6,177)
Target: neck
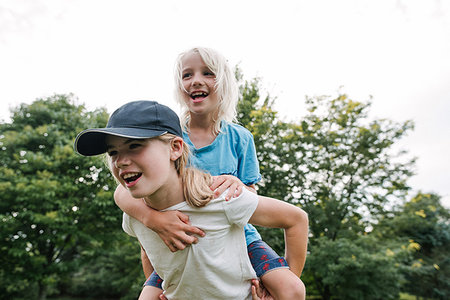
(166,196)
(201,122)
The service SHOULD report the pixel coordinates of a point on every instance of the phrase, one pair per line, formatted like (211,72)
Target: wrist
(151,217)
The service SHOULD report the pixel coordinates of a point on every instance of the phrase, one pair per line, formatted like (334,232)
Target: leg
(152,288)
(283,284)
(274,272)
(150,293)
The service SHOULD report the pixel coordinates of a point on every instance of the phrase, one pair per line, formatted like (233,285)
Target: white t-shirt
(218,266)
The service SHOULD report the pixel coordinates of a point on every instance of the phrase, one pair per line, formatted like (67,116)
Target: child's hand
(223,182)
(174,229)
(162,297)
(259,292)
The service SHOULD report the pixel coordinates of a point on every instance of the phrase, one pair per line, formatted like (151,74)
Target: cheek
(114,171)
(212,85)
(184,87)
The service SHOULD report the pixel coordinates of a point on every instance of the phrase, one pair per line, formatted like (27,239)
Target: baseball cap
(137,120)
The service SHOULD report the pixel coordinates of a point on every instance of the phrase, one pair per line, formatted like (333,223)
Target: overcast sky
(109,52)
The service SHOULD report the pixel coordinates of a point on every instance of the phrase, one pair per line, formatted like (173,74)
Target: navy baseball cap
(137,120)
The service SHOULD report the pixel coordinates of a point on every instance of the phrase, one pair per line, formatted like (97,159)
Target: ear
(176,148)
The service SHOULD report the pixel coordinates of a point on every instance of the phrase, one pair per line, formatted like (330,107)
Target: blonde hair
(195,182)
(226,86)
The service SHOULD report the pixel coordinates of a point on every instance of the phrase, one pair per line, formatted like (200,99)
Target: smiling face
(199,86)
(144,166)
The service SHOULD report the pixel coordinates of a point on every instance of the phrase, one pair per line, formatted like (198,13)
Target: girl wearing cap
(207,92)
(147,155)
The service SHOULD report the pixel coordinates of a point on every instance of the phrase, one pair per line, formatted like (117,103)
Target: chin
(136,194)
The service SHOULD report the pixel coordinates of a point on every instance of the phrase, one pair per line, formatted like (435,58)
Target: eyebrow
(128,141)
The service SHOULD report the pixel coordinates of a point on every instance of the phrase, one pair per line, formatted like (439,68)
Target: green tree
(114,272)
(54,203)
(258,116)
(333,162)
(422,224)
(356,268)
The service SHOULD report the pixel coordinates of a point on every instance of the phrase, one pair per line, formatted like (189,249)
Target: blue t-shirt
(232,153)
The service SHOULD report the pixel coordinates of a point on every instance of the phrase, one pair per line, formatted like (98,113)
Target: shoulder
(239,209)
(245,196)
(237,130)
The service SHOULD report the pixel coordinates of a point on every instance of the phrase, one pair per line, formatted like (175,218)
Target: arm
(172,226)
(274,213)
(147,266)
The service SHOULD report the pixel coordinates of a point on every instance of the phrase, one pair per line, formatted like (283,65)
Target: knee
(299,291)
(293,290)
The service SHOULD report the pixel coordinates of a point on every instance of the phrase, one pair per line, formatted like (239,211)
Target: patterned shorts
(262,257)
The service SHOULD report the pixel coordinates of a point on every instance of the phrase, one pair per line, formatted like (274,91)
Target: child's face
(198,83)
(141,165)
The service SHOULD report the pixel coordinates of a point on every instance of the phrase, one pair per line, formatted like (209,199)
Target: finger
(172,248)
(254,295)
(178,245)
(194,230)
(238,191)
(231,191)
(258,288)
(219,191)
(184,239)
(183,217)
(218,181)
(169,245)
(162,297)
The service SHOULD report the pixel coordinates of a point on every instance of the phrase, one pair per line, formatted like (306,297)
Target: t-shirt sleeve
(126,225)
(239,210)
(248,165)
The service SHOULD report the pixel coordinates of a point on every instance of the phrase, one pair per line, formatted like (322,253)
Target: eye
(186,75)
(112,153)
(209,73)
(135,145)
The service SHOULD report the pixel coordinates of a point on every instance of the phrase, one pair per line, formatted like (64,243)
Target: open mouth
(196,96)
(129,178)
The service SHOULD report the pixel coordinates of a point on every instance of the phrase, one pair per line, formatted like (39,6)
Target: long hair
(226,86)
(195,182)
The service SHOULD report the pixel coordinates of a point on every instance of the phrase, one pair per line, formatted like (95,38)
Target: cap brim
(92,141)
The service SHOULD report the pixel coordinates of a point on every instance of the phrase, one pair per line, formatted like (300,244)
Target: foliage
(337,165)
(355,268)
(55,204)
(108,273)
(423,225)
(61,231)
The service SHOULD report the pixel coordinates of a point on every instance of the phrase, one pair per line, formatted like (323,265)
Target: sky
(108,52)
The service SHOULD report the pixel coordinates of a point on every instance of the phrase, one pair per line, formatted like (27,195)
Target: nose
(197,80)
(121,161)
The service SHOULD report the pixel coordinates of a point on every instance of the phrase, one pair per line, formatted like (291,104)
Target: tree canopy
(54,204)
(61,230)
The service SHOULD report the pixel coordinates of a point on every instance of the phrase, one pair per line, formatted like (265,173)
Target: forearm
(275,213)
(296,239)
(133,207)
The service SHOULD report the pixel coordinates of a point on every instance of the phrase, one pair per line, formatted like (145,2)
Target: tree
(55,203)
(334,163)
(355,268)
(422,223)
